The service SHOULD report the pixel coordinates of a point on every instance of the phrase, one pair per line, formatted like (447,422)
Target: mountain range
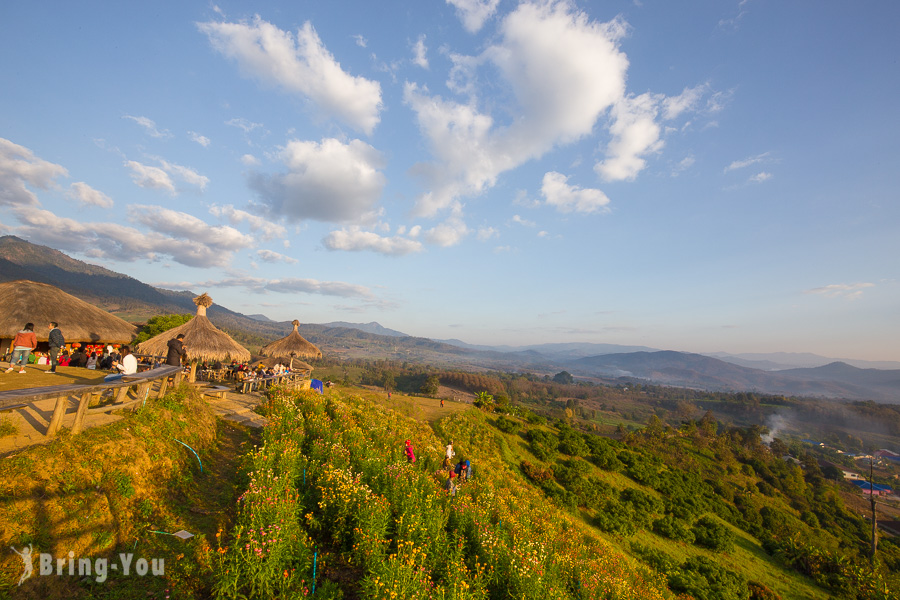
(777,373)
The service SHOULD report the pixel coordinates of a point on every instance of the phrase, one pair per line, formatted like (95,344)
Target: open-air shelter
(293,345)
(25,301)
(202,340)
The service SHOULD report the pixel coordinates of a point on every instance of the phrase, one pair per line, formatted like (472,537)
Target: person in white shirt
(126,366)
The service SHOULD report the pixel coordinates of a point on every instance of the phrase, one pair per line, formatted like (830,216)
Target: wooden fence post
(59,411)
(82,409)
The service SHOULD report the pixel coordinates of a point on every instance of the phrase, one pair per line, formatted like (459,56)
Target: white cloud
(361,41)
(448,233)
(420,53)
(474,13)
(354,239)
(687,100)
(285,286)
(299,64)
(524,222)
(150,127)
(236,216)
(188,227)
(486,233)
(160,178)
(88,196)
(273,257)
(635,135)
(114,241)
(151,178)
(200,139)
(18,167)
(567,198)
(563,72)
(328,181)
(740,164)
(243,124)
(760,177)
(250,160)
(850,291)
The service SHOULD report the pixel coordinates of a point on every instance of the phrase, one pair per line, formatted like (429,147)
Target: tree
(431,385)
(388,381)
(563,377)
(160,323)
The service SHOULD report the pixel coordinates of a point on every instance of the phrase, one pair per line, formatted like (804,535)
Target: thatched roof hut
(202,340)
(24,301)
(292,345)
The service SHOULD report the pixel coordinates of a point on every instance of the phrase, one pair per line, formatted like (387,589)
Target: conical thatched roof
(202,340)
(25,301)
(293,344)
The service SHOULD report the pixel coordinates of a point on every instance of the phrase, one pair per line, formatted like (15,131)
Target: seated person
(126,366)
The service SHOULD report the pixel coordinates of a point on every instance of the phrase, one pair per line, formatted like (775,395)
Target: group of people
(117,359)
(456,474)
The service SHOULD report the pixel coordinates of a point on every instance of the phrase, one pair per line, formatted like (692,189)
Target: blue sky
(703,176)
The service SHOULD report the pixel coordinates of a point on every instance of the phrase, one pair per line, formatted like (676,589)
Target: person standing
(57,341)
(410,455)
(176,350)
(23,344)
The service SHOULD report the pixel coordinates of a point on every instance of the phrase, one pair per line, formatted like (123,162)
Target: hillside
(136,301)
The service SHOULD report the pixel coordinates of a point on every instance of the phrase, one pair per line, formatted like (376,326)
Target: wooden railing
(13,399)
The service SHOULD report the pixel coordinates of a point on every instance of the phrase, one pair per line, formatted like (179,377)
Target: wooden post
(82,410)
(122,395)
(178,377)
(142,393)
(163,384)
(193,376)
(59,412)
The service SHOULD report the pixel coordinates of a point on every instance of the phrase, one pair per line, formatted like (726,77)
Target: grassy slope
(105,491)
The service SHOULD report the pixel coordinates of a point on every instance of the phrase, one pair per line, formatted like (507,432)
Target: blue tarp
(317,385)
(867,486)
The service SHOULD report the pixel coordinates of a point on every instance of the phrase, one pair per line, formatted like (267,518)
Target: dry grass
(104,491)
(37,376)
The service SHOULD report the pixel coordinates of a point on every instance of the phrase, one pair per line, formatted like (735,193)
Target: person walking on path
(176,350)
(23,344)
(57,341)
(410,455)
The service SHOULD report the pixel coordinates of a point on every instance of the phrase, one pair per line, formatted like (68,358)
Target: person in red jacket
(24,343)
(410,455)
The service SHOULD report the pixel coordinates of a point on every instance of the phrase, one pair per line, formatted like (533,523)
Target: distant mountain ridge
(136,301)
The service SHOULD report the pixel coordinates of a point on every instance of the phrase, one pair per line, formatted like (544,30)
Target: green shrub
(709,533)
(673,528)
(704,579)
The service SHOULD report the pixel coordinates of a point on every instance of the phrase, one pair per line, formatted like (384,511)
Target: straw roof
(24,301)
(293,344)
(202,340)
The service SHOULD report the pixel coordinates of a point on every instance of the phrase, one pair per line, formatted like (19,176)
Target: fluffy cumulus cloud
(448,233)
(564,72)
(299,64)
(161,177)
(114,241)
(325,181)
(355,239)
(268,229)
(184,226)
(20,168)
(473,13)
(149,177)
(88,196)
(568,198)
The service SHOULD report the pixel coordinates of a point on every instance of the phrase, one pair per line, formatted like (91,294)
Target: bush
(673,528)
(709,533)
(616,517)
(657,559)
(507,425)
(542,444)
(704,579)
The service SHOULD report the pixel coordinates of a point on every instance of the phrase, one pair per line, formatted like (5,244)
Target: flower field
(333,505)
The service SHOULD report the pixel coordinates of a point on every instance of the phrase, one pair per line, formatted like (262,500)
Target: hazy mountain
(136,301)
(777,361)
(837,380)
(372,327)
